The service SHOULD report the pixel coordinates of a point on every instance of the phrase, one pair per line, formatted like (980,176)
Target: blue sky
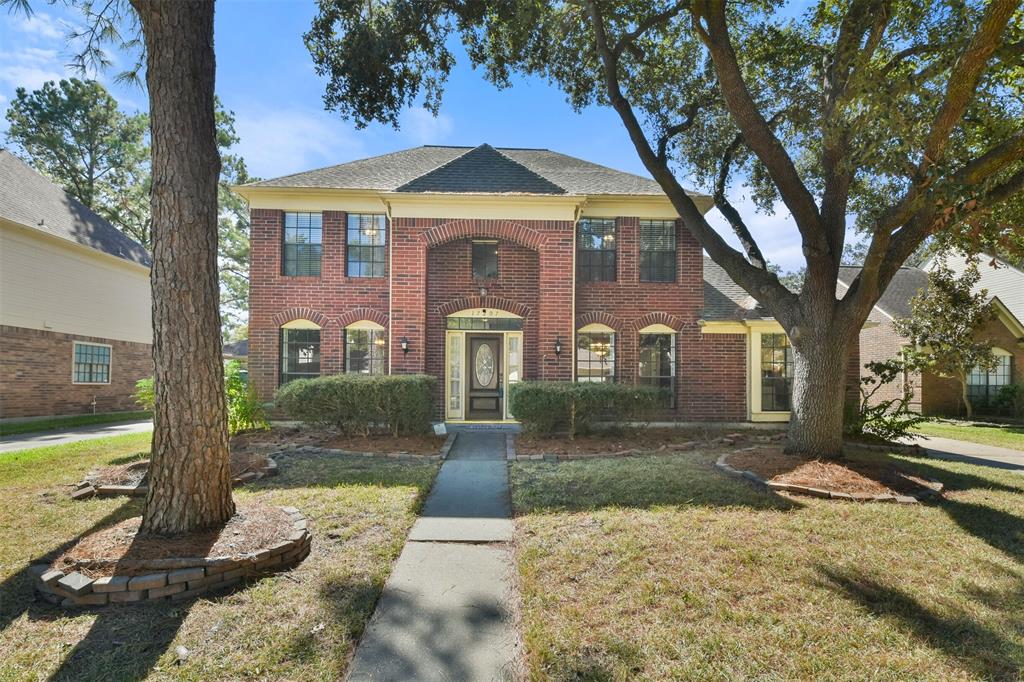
(266,76)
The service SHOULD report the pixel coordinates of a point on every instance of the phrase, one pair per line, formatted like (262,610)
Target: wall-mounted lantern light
(558,346)
(405,344)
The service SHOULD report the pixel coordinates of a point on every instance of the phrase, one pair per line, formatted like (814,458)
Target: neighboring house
(485,267)
(75,329)
(934,395)
(237,350)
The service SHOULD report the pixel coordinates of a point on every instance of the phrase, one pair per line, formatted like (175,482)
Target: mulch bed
(846,476)
(120,549)
(326,437)
(635,440)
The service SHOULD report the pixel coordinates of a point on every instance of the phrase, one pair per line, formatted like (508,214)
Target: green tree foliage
(944,324)
(74,133)
(887,419)
(905,113)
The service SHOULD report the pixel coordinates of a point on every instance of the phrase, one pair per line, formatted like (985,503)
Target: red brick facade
(36,374)
(430,277)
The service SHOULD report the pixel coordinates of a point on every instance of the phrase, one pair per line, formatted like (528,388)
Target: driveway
(40,439)
(973,453)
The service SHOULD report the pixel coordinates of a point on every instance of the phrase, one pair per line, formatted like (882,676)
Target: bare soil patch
(846,476)
(638,440)
(120,549)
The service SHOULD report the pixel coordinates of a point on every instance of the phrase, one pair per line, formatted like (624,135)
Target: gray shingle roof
(472,169)
(29,199)
(724,300)
(895,300)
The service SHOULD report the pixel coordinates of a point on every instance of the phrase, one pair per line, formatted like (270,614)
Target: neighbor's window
(366,244)
(776,372)
(92,364)
(983,387)
(303,244)
(365,350)
(595,250)
(657,251)
(595,356)
(300,354)
(658,363)
(485,260)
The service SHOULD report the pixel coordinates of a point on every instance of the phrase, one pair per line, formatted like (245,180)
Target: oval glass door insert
(483,364)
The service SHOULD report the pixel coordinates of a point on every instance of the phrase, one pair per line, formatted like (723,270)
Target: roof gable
(895,300)
(30,200)
(482,170)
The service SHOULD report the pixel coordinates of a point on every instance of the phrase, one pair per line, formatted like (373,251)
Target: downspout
(577,214)
(391,275)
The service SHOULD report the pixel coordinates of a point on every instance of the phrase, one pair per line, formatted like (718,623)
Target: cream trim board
(368,325)
(1008,319)
(996,350)
(301,324)
(657,329)
(110,367)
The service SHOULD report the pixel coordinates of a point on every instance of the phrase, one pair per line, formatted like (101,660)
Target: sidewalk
(447,611)
(40,439)
(972,453)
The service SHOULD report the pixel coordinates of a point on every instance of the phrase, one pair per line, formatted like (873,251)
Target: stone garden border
(175,579)
(85,489)
(723,464)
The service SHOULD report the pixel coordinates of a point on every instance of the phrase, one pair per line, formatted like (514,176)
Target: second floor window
(485,260)
(595,250)
(366,243)
(303,244)
(657,251)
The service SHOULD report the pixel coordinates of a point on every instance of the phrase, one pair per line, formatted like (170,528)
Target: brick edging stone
(723,464)
(87,489)
(175,579)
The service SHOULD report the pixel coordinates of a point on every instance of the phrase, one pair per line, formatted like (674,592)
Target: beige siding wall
(48,285)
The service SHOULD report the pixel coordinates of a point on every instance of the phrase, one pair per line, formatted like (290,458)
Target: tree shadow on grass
(635,483)
(988,653)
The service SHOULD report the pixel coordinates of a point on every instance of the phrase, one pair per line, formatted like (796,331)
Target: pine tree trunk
(189,475)
(819,394)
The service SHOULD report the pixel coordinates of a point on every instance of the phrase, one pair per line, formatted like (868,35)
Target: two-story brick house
(484,267)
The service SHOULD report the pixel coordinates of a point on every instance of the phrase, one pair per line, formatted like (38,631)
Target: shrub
(145,394)
(399,404)
(244,409)
(543,406)
(889,420)
(1010,399)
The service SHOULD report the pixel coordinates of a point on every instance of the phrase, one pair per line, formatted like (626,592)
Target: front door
(484,393)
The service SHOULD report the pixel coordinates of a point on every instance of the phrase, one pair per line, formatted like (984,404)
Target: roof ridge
(439,167)
(483,147)
(256,183)
(527,169)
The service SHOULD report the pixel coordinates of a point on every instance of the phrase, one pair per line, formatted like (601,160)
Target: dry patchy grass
(663,568)
(1000,435)
(299,625)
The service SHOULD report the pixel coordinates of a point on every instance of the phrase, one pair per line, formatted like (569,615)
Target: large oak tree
(907,114)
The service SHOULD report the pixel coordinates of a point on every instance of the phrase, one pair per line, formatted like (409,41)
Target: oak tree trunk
(189,475)
(819,394)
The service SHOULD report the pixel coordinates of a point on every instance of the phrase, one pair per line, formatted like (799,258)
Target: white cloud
(277,142)
(422,127)
(41,25)
(30,67)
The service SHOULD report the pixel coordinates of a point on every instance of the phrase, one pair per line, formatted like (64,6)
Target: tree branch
(991,162)
(764,285)
(647,24)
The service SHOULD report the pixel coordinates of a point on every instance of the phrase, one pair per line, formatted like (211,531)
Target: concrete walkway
(41,439)
(447,611)
(972,453)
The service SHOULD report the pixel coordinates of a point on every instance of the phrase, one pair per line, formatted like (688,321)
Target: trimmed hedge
(399,404)
(544,406)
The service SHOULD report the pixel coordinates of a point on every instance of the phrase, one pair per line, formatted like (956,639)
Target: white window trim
(365,326)
(594,328)
(110,369)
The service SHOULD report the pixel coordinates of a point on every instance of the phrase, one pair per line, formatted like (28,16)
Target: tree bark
(965,396)
(818,394)
(189,475)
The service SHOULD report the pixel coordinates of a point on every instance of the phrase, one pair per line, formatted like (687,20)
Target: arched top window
(595,353)
(657,360)
(300,350)
(657,329)
(983,387)
(366,345)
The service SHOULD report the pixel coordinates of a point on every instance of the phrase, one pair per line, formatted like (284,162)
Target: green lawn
(11,428)
(663,568)
(299,625)
(987,434)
